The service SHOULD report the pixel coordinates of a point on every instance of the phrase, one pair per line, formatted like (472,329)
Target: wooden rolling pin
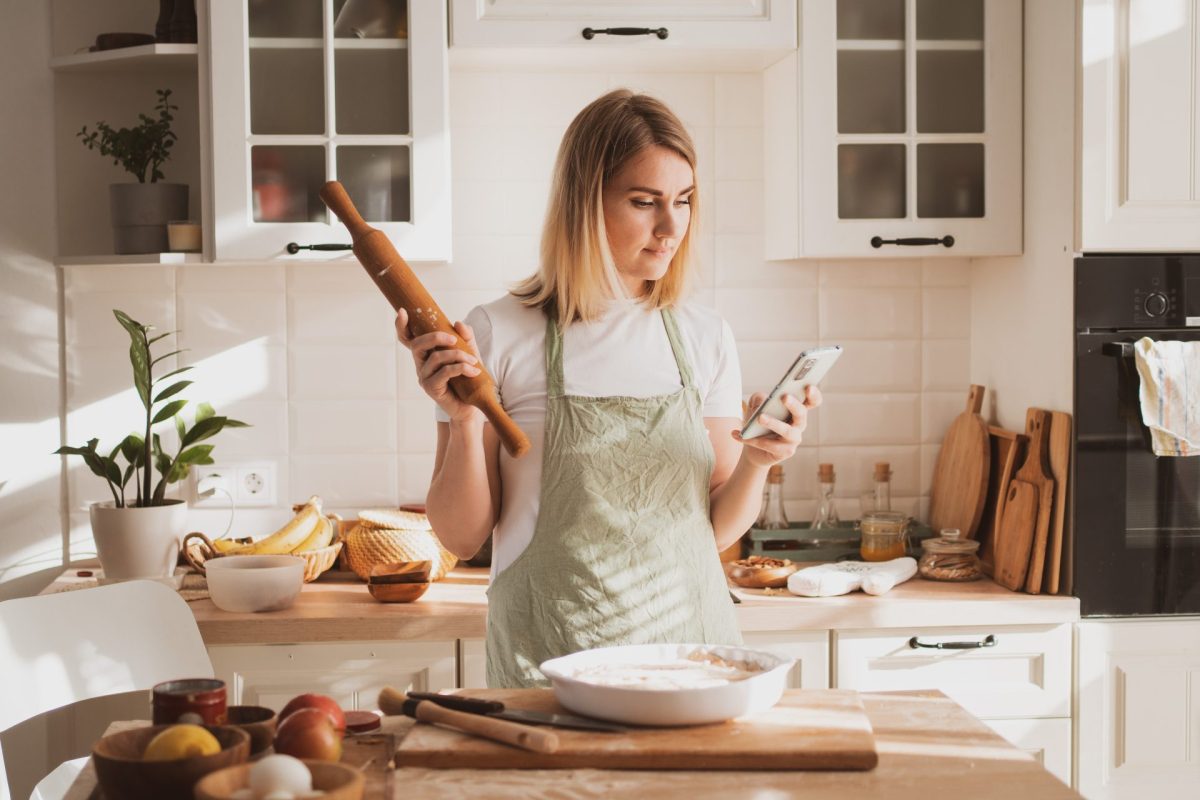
(403,290)
(526,737)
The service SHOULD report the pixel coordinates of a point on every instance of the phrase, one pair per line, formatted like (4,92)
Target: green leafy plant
(140,450)
(141,150)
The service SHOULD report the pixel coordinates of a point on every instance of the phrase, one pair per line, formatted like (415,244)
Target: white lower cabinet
(1019,683)
(810,649)
(1139,709)
(351,673)
(472,664)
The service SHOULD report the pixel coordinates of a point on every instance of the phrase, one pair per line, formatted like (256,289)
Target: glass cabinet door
(912,124)
(346,90)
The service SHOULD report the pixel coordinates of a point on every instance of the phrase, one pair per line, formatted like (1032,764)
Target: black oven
(1136,515)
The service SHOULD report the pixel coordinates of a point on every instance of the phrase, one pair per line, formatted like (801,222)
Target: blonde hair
(577,276)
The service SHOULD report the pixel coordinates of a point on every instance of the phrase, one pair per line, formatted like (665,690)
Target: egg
(280,776)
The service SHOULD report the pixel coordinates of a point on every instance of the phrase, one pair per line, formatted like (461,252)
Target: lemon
(181,741)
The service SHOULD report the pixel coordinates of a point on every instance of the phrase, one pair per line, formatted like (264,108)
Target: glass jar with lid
(949,557)
(884,535)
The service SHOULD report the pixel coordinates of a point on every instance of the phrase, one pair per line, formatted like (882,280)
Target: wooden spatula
(960,478)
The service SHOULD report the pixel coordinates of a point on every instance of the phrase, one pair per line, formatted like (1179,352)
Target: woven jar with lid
(385,535)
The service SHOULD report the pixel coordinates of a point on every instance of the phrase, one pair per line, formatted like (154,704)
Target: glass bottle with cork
(827,515)
(773,516)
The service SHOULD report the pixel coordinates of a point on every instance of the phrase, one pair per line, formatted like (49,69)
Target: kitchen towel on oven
(1170,394)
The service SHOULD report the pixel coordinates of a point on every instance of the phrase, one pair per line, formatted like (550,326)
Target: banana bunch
(308,530)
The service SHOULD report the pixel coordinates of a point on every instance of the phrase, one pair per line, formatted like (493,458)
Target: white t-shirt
(624,353)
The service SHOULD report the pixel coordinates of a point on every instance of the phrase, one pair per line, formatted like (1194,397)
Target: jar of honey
(884,536)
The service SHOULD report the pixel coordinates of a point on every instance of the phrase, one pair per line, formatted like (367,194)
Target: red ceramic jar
(197,700)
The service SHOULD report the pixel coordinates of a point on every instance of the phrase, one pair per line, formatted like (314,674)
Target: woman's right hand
(438,360)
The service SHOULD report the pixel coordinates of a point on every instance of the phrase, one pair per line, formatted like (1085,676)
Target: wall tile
(737,159)
(740,264)
(546,99)
(477,99)
(854,468)
(415,473)
(417,425)
(148,278)
(342,426)
(945,364)
(870,314)
(938,410)
(328,372)
(946,271)
(871,274)
(267,436)
(250,371)
(225,278)
(870,419)
(738,99)
(756,315)
(362,317)
(739,207)
(90,321)
(690,96)
(876,366)
(946,313)
(211,319)
(346,481)
(341,274)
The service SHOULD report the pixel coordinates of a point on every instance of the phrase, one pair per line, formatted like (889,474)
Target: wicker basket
(368,546)
(319,560)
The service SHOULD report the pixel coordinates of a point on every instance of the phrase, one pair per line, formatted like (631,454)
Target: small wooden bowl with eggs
(760,572)
(335,782)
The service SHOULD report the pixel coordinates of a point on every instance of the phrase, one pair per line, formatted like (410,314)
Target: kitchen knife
(391,702)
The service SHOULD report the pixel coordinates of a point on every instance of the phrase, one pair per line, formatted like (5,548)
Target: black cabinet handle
(590,33)
(988,641)
(879,241)
(294,248)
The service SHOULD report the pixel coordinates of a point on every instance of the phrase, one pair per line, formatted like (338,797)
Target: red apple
(309,733)
(319,701)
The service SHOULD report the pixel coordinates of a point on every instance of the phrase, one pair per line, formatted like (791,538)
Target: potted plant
(137,533)
(141,211)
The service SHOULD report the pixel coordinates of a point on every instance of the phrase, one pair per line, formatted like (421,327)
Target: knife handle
(459,703)
(524,736)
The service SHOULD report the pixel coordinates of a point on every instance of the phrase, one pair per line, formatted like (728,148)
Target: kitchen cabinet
(350,672)
(897,119)
(810,649)
(1138,708)
(329,89)
(1139,138)
(1019,684)
(667,35)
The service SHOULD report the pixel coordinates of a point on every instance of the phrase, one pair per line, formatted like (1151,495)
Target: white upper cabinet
(763,30)
(307,91)
(1140,150)
(897,120)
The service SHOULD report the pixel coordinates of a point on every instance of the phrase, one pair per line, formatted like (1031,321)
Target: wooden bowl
(396,592)
(337,781)
(750,576)
(258,721)
(121,772)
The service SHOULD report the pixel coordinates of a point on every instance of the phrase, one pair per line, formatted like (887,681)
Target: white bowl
(254,583)
(666,707)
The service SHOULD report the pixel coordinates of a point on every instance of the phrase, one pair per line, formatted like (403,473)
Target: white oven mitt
(826,580)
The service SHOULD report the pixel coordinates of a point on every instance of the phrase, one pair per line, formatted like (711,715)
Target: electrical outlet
(245,485)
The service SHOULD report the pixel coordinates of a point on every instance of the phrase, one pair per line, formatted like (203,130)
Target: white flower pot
(138,542)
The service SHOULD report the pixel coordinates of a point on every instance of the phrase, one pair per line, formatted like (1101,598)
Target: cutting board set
(822,729)
(1009,491)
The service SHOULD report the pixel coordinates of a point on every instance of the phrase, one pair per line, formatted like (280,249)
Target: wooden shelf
(130,59)
(131,259)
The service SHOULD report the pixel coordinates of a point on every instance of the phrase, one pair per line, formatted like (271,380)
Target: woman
(607,531)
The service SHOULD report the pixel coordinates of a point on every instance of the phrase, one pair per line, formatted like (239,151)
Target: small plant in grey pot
(141,211)
(138,532)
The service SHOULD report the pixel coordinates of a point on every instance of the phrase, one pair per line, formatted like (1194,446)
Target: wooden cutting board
(1060,468)
(1007,450)
(808,729)
(1027,504)
(372,753)
(960,478)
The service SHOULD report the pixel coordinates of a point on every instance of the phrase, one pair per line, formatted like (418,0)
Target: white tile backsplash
(306,352)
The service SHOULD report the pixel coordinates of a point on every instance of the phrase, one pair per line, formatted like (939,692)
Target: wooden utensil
(402,289)
(1060,468)
(1028,501)
(808,729)
(1038,473)
(1006,450)
(960,478)
(525,737)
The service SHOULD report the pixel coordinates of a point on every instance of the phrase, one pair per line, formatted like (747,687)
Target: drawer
(1047,740)
(1025,672)
(810,649)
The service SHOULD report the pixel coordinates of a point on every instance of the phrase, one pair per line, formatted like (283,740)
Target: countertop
(928,746)
(456,608)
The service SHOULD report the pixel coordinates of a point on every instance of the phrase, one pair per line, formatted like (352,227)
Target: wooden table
(928,747)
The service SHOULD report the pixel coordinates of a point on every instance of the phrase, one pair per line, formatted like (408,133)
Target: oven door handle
(1117,349)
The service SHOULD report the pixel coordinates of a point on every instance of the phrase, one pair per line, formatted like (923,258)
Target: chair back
(61,648)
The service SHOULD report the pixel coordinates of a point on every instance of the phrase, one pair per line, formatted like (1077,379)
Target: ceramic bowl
(255,583)
(121,772)
(258,721)
(667,707)
(337,781)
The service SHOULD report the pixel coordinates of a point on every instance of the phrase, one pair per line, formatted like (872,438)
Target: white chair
(61,648)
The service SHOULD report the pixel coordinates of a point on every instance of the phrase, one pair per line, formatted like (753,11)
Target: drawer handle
(293,247)
(912,241)
(590,33)
(988,641)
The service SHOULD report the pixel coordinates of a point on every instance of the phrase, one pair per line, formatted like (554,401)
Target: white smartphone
(807,370)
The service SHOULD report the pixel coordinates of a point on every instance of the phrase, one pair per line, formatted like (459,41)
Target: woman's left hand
(784,438)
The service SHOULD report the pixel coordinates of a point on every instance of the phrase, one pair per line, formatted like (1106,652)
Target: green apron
(623,550)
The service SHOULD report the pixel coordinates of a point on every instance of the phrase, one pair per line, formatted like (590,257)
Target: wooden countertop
(456,608)
(928,746)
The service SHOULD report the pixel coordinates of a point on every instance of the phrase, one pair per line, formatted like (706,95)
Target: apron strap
(554,354)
